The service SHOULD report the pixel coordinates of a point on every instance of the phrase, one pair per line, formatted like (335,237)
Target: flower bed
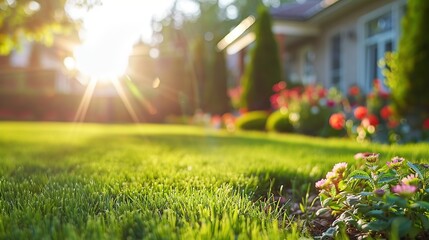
(375,200)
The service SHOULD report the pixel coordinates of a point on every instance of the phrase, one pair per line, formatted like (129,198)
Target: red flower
(322,92)
(386,112)
(392,123)
(330,103)
(377,84)
(279,86)
(274,99)
(337,121)
(426,124)
(370,120)
(242,111)
(360,112)
(354,91)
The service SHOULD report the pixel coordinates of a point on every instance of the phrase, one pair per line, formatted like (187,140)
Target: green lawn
(159,181)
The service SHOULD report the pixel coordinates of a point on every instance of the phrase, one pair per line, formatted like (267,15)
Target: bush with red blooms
(315,110)
(306,108)
(374,120)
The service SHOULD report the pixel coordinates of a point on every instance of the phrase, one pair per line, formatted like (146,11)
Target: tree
(35,20)
(264,69)
(216,100)
(411,82)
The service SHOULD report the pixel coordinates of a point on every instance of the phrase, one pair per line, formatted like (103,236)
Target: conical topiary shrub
(263,69)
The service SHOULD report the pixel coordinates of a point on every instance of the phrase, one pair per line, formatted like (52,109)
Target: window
(336,60)
(380,38)
(379,25)
(308,72)
(379,33)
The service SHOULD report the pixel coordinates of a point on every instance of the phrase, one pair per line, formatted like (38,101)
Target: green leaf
(402,225)
(326,202)
(352,200)
(364,194)
(330,232)
(342,185)
(415,169)
(377,225)
(392,199)
(386,178)
(423,204)
(376,213)
(322,211)
(359,174)
(425,221)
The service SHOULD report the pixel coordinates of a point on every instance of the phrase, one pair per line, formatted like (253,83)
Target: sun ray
(139,96)
(86,100)
(125,100)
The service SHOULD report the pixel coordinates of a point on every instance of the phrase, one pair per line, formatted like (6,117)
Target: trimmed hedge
(255,120)
(278,121)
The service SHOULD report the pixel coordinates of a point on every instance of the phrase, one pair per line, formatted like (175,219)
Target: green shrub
(264,69)
(278,121)
(410,84)
(252,121)
(307,118)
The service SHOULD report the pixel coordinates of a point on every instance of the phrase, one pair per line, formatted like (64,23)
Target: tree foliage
(264,69)
(37,20)
(411,81)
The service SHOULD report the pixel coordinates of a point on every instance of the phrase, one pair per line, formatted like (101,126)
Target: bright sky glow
(110,31)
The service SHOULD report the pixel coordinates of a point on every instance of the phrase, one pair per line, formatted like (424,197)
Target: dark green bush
(278,121)
(411,83)
(263,69)
(255,120)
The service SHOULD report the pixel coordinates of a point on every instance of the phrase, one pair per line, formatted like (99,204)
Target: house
(39,82)
(38,69)
(331,42)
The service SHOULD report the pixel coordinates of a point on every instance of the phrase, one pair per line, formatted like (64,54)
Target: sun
(109,32)
(108,36)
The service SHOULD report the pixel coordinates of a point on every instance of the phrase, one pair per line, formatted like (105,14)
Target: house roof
(298,19)
(299,10)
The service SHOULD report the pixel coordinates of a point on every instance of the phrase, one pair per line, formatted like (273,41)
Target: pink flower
(369,157)
(404,190)
(321,183)
(396,162)
(339,168)
(411,179)
(331,175)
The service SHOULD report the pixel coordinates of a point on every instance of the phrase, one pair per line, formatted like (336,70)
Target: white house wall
(349,26)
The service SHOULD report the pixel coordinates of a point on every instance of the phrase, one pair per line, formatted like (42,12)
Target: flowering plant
(307,107)
(376,200)
(371,121)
